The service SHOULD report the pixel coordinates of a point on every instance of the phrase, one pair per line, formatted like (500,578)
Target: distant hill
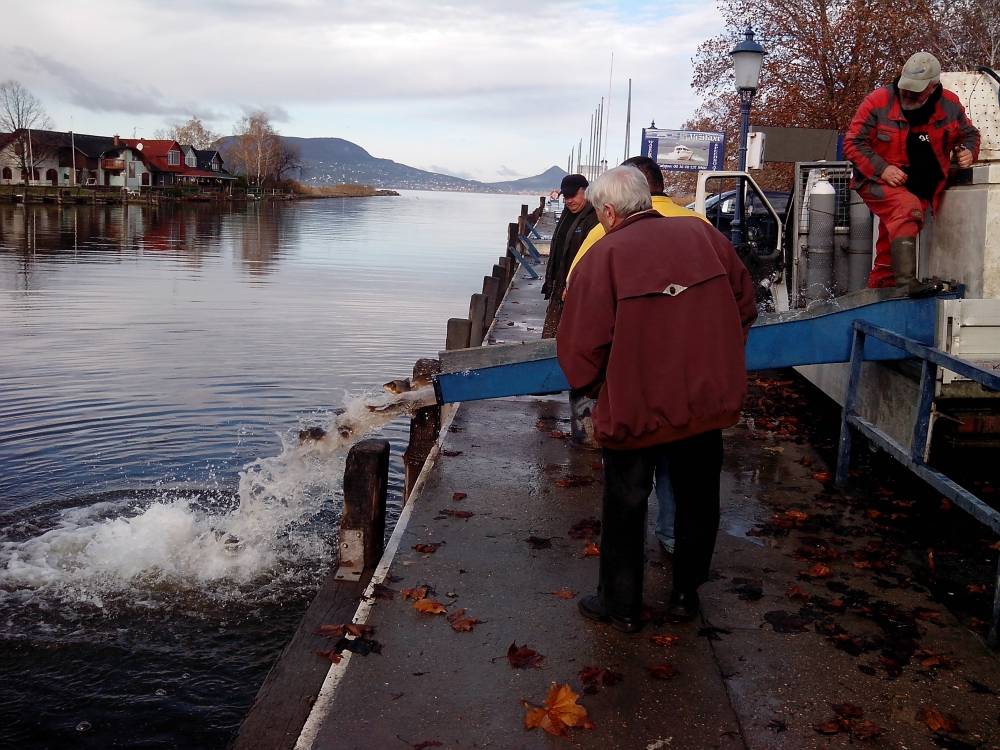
(334,161)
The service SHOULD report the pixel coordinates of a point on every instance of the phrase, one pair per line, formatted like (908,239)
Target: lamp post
(748,57)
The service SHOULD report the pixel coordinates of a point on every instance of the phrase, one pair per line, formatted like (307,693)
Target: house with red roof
(172,163)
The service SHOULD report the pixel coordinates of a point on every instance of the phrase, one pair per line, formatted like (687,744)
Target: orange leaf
(866,730)
(833,726)
(665,640)
(796,515)
(333,655)
(427,548)
(563,593)
(429,607)
(795,592)
(460,623)
(350,628)
(821,476)
(559,712)
(591,550)
(417,593)
(975,588)
(819,570)
(935,720)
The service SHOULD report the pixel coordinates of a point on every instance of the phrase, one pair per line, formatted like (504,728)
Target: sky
(487,89)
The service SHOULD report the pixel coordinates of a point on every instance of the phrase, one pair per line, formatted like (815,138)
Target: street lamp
(748,57)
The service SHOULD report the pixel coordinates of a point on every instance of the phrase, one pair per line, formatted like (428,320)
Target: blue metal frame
(530,247)
(916,459)
(532,273)
(532,230)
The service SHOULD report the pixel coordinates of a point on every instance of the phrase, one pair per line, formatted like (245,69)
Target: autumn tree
(193,132)
(259,152)
(20,112)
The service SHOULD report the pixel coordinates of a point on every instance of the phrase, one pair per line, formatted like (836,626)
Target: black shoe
(593,608)
(684,605)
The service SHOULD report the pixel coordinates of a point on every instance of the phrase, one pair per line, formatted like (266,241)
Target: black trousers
(695,465)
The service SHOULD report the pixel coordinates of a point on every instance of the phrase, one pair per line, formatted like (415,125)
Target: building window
(131,169)
(190,160)
(7,174)
(173,158)
(215,164)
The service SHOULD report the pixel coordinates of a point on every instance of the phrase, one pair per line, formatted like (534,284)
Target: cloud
(117,96)
(274,112)
(508,172)
(449,171)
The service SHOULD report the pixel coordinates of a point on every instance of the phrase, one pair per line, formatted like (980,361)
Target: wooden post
(425,426)
(541,205)
(362,525)
(491,288)
(524,210)
(459,332)
(477,319)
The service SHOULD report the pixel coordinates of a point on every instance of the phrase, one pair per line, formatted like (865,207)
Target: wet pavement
(813,632)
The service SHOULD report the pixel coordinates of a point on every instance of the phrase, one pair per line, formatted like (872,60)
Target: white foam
(181,541)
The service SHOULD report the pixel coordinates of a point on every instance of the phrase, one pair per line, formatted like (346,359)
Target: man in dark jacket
(655,324)
(575,223)
(901,141)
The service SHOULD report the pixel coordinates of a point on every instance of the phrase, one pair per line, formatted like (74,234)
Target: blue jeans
(665,499)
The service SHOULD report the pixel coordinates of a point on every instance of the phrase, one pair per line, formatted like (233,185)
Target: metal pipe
(736,227)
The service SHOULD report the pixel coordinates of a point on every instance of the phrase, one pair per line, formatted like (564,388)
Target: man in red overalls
(901,141)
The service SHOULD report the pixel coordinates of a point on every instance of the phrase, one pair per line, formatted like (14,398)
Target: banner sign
(684,150)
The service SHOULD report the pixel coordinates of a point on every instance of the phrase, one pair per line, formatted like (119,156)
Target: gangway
(872,325)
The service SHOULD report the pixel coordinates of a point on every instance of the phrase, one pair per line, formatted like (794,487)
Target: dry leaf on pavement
(522,657)
(559,712)
(429,607)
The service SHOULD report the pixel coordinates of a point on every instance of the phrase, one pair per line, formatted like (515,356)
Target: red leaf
(416,593)
(596,677)
(456,496)
(817,571)
(460,623)
(591,550)
(333,655)
(935,720)
(427,548)
(563,593)
(457,513)
(664,640)
(833,726)
(661,671)
(522,657)
(821,476)
(866,730)
(574,480)
(795,592)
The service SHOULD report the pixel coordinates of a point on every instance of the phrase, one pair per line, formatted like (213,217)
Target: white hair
(623,188)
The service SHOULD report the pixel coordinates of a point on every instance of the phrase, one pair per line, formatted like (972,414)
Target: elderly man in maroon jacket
(655,325)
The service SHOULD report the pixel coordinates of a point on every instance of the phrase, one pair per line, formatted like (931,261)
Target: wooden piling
(491,288)
(285,698)
(477,319)
(459,333)
(366,481)
(425,426)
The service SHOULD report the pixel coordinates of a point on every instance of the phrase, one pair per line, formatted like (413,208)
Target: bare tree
(20,113)
(258,151)
(193,133)
(968,33)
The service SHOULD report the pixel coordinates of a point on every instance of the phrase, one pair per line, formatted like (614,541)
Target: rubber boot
(904,267)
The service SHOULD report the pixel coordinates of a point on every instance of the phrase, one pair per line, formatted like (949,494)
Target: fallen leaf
(597,677)
(451,454)
(559,435)
(975,588)
(381,591)
(661,671)
(456,496)
(456,513)
(591,550)
(796,515)
(785,622)
(427,548)
(930,561)
(539,542)
(559,712)
(333,655)
(563,594)
(817,571)
(795,592)
(429,607)
(821,476)
(460,623)
(866,730)
(522,657)
(340,630)
(585,529)
(664,640)
(359,646)
(833,726)
(935,720)
(416,593)
(847,710)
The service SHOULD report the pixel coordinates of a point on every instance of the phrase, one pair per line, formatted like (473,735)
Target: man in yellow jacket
(661,204)
(666,207)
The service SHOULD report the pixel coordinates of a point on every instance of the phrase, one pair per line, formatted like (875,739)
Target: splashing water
(182,541)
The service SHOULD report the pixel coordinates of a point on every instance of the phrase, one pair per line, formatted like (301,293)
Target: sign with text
(684,150)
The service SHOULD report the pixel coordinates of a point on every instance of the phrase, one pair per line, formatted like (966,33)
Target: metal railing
(915,459)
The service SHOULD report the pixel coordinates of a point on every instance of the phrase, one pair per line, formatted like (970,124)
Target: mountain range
(334,161)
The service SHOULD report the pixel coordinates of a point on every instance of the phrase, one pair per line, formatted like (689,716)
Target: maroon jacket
(657,319)
(876,137)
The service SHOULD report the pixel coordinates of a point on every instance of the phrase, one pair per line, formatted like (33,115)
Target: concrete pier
(798,645)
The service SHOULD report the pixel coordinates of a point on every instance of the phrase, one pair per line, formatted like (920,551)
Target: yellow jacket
(663,205)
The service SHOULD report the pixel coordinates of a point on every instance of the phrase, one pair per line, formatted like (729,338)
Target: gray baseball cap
(921,70)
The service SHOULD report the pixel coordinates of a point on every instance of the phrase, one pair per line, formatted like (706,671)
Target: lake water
(156,366)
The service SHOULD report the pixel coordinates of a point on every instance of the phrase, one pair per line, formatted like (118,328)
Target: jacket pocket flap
(669,283)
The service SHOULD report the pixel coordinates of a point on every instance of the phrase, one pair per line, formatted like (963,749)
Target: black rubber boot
(593,608)
(904,266)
